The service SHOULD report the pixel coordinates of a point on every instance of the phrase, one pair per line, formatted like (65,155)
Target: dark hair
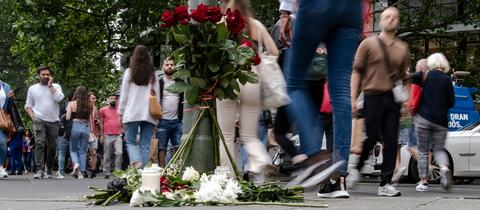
(82,98)
(41,68)
(141,66)
(92,93)
(243,5)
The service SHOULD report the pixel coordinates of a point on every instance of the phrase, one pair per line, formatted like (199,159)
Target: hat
(287,5)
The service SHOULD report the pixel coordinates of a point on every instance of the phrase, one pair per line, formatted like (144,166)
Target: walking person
(6,93)
(338,25)
(79,111)
(42,107)
(63,142)
(95,130)
(248,104)
(431,120)
(169,128)
(111,136)
(15,152)
(27,141)
(376,70)
(138,84)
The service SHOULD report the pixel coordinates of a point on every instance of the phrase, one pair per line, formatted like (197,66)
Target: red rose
(164,183)
(256,59)
(246,43)
(200,14)
(168,19)
(181,14)
(214,14)
(235,22)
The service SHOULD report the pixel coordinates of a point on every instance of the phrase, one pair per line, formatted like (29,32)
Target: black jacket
(180,98)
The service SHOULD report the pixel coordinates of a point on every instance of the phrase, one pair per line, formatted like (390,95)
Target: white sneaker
(388,190)
(60,176)
(396,177)
(3,173)
(422,187)
(76,168)
(353,178)
(80,175)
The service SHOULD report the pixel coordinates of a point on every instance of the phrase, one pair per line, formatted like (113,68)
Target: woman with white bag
(248,104)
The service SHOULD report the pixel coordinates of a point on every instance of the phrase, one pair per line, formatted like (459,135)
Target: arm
(355,86)
(451,94)
(56,90)
(29,104)
(69,111)
(359,67)
(268,42)
(124,92)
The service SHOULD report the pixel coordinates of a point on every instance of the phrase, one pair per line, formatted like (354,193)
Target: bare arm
(355,86)
(68,116)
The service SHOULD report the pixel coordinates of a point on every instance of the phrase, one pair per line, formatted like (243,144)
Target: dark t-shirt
(437,96)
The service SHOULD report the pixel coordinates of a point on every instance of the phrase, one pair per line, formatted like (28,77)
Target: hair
(41,68)
(438,61)
(141,66)
(390,8)
(244,6)
(82,97)
(421,65)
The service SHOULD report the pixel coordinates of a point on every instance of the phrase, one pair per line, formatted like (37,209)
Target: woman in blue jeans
(5,95)
(138,84)
(338,24)
(79,112)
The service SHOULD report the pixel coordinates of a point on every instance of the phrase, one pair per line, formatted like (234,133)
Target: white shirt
(133,104)
(43,103)
(169,101)
(3,96)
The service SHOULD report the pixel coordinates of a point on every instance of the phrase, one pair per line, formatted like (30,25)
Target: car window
(470,126)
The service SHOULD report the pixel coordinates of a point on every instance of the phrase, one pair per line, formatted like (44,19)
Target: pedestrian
(64,133)
(169,128)
(431,120)
(111,136)
(15,151)
(43,108)
(138,84)
(79,111)
(248,104)
(376,70)
(95,130)
(27,141)
(338,25)
(6,93)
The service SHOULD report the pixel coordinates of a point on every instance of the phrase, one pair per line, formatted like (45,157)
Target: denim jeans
(3,147)
(138,152)
(78,143)
(338,24)
(63,145)
(16,163)
(169,131)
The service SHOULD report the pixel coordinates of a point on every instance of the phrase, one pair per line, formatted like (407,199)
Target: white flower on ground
(217,188)
(169,195)
(190,174)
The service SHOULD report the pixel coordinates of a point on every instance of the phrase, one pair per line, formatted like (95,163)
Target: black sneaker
(333,189)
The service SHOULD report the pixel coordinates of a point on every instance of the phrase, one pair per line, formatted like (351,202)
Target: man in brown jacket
(376,72)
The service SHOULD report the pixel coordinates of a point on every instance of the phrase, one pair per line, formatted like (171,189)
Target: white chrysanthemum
(190,174)
(217,188)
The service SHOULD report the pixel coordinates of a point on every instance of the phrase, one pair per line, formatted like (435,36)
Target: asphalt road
(23,192)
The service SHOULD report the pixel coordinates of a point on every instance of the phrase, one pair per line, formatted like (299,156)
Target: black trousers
(381,125)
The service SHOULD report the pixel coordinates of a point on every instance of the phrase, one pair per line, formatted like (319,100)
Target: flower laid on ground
(190,174)
(217,188)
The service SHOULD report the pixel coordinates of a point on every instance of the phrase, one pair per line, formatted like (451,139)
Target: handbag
(416,94)
(155,107)
(318,68)
(400,92)
(272,83)
(6,123)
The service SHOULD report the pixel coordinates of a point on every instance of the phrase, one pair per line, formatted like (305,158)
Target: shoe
(75,170)
(396,177)
(80,176)
(446,179)
(422,187)
(90,174)
(38,175)
(320,175)
(333,189)
(353,178)
(60,176)
(388,190)
(3,173)
(106,177)
(49,175)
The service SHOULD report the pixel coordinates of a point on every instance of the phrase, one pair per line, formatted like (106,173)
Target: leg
(176,136)
(390,140)
(40,141)
(280,129)
(131,144)
(82,150)
(162,136)
(422,134)
(62,153)
(226,110)
(146,133)
(373,112)
(3,148)
(118,145)
(108,143)
(52,133)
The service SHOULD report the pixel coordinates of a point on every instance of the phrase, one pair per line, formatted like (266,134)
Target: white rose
(190,174)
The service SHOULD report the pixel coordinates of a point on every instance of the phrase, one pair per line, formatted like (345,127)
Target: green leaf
(180,38)
(224,82)
(192,94)
(222,32)
(177,87)
(119,174)
(228,68)
(213,67)
(234,85)
(229,44)
(246,52)
(197,82)
(251,77)
(218,92)
(182,73)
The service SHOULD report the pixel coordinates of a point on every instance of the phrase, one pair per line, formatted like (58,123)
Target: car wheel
(434,172)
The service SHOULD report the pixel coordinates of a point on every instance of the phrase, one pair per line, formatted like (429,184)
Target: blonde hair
(438,61)
(421,65)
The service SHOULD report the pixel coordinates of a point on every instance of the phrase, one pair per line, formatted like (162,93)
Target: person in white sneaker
(379,61)
(431,120)
(5,95)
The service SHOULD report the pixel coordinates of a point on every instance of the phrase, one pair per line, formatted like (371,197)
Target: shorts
(406,136)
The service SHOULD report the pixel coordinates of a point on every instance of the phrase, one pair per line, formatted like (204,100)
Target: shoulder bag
(155,107)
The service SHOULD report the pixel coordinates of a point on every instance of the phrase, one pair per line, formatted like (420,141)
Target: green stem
(219,132)
(272,204)
(112,198)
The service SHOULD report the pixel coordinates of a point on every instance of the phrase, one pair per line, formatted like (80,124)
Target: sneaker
(396,177)
(75,170)
(320,175)
(353,178)
(446,179)
(38,175)
(333,189)
(388,190)
(306,173)
(3,173)
(49,175)
(422,187)
(80,176)
(60,176)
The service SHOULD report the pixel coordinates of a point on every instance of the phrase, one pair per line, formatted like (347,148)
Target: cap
(287,5)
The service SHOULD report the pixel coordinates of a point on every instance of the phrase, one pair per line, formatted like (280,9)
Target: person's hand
(11,94)
(100,139)
(285,30)
(354,108)
(50,81)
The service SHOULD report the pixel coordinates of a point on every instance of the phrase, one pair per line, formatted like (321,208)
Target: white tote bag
(272,83)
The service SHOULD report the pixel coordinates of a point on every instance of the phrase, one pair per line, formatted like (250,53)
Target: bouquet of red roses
(211,53)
